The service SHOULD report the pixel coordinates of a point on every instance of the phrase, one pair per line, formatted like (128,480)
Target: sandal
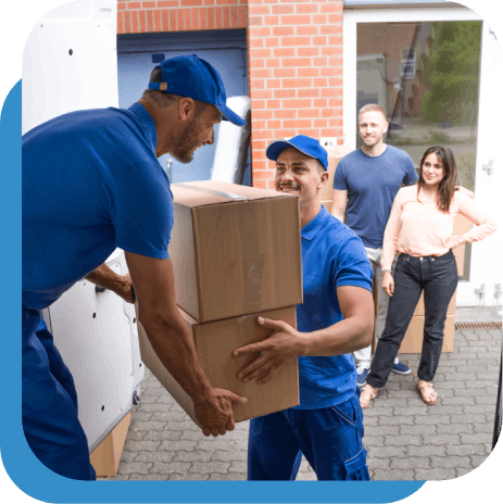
(368,393)
(428,394)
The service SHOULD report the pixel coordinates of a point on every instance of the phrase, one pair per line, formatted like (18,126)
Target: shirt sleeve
(411,176)
(142,210)
(391,233)
(484,226)
(340,181)
(353,266)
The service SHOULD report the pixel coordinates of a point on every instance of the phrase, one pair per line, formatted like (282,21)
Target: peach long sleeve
(418,228)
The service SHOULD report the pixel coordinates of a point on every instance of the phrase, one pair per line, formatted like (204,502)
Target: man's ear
(323,179)
(186,108)
(386,126)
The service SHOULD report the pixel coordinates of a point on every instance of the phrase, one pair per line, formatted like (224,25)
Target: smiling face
(372,126)
(432,171)
(299,174)
(198,132)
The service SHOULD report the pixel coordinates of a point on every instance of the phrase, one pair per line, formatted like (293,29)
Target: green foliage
(451,72)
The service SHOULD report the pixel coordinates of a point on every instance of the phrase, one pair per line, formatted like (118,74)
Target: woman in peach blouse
(420,230)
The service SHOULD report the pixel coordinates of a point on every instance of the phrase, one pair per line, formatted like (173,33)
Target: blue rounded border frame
(39,482)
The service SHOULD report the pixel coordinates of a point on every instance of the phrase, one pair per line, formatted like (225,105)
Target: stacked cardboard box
(335,154)
(236,254)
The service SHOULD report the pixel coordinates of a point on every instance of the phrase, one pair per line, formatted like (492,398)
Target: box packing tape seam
(222,194)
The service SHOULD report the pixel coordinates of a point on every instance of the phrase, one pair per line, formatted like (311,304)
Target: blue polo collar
(146,120)
(311,229)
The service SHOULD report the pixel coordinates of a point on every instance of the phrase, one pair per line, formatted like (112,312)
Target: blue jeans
(438,277)
(330,438)
(50,421)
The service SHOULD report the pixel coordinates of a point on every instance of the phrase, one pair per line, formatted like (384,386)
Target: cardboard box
(327,204)
(335,154)
(461,226)
(235,250)
(413,340)
(214,343)
(106,457)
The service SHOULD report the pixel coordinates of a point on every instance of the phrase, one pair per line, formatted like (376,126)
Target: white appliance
(70,63)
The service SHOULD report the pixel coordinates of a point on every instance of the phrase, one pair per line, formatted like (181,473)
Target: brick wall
(294,61)
(134,16)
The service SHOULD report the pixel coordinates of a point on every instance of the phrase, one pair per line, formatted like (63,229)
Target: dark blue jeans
(438,277)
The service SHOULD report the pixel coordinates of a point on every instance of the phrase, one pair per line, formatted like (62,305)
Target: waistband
(447,255)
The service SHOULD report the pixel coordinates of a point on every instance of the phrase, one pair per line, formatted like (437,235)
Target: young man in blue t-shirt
(365,184)
(336,318)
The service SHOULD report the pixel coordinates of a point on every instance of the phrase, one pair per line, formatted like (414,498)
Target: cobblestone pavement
(405,438)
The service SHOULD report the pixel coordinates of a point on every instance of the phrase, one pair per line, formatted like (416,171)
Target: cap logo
(163,86)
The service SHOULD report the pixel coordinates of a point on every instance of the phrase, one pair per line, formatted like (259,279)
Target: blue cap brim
(231,116)
(274,150)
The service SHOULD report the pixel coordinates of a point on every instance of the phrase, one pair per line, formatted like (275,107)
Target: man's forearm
(108,279)
(346,336)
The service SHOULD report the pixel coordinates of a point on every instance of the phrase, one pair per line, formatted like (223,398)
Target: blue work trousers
(438,278)
(50,421)
(330,438)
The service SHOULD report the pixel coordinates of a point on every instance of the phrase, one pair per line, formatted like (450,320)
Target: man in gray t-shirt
(365,184)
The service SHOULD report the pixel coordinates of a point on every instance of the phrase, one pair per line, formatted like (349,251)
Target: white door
(377,43)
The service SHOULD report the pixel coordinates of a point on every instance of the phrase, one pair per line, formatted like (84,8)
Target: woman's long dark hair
(447,185)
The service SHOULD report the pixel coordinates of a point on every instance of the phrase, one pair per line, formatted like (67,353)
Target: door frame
(486,254)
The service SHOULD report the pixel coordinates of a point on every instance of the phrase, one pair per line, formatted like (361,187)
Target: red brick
(255,21)
(259,31)
(261,73)
(164,20)
(320,19)
(135,27)
(321,82)
(320,41)
(271,20)
(143,22)
(157,20)
(272,42)
(120,22)
(285,93)
(256,63)
(329,112)
(282,52)
(335,81)
(307,8)
(273,104)
(331,50)
(148,5)
(255,42)
(262,53)
(257,104)
(263,174)
(296,41)
(307,30)
(320,123)
(284,72)
(258,10)
(311,113)
(133,5)
(226,17)
(308,51)
(297,83)
(234,17)
(331,7)
(335,103)
(285,114)
(320,61)
(335,122)
(171,3)
(190,3)
(282,9)
(320,102)
(334,18)
(273,83)
(335,61)
(309,93)
(312,132)
(259,125)
(262,114)
(296,62)
(210,11)
(331,92)
(257,83)
(335,40)
(180,25)
(298,123)
(225,2)
(330,71)
(172,20)
(242,17)
(127,22)
(308,72)
(295,20)
(284,133)
(283,31)
(121,6)
(261,184)
(297,103)
(258,144)
(219,18)
(273,62)
(273,124)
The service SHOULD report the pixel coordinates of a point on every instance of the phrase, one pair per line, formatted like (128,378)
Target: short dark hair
(448,183)
(165,100)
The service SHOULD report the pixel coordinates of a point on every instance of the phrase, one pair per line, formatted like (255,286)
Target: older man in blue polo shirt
(335,319)
(91,183)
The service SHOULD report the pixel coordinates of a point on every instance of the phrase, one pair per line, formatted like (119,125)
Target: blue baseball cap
(195,78)
(307,145)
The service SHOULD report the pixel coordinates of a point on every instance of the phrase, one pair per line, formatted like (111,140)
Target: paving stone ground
(405,438)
